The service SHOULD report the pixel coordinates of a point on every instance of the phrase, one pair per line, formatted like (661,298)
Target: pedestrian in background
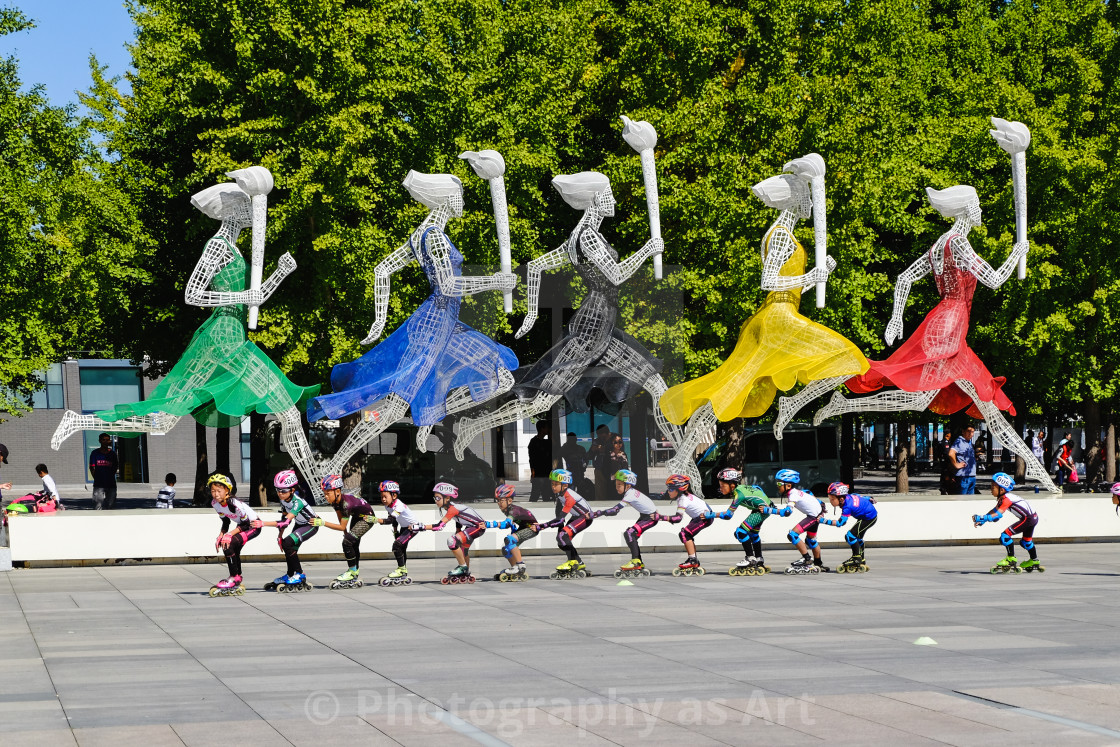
(103,466)
(963,455)
(540,462)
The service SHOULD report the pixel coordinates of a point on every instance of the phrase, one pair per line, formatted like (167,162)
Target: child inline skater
(1116,496)
(1025,521)
(747,534)
(469,526)
(812,507)
(699,513)
(624,482)
(573,515)
(235,512)
(858,507)
(295,512)
(361,517)
(521,522)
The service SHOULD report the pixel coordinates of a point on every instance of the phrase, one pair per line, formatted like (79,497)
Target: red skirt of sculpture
(937,354)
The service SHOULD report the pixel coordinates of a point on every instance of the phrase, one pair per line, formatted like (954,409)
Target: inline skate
(801,567)
(513,573)
(634,569)
(286,584)
(1032,565)
(690,567)
(398,577)
(228,587)
(460,574)
(820,566)
(570,569)
(751,566)
(347,580)
(853,564)
(1007,565)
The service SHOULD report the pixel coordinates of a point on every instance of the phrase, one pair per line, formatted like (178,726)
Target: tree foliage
(340,98)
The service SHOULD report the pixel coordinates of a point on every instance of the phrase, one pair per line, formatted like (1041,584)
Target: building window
(246,439)
(105,388)
(50,397)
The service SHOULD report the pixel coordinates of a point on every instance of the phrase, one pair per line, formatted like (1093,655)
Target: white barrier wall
(190,533)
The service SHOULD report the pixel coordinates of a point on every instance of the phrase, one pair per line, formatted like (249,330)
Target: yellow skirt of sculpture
(777,349)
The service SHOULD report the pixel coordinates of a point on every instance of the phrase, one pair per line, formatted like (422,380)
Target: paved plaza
(141,655)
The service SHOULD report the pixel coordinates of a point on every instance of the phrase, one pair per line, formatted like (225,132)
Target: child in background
(165,498)
(48,485)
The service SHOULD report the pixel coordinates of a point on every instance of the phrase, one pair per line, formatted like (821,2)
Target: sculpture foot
(422,438)
(461,439)
(834,406)
(65,429)
(784,416)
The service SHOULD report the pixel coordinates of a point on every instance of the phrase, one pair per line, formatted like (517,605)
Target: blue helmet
(562,476)
(788,475)
(627,476)
(1004,480)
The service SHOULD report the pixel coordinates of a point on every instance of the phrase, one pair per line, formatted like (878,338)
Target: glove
(370,519)
(437,527)
(492,525)
(596,514)
(787,511)
(676,519)
(317,522)
(416,527)
(256,523)
(225,540)
(218,542)
(978,520)
(727,514)
(709,514)
(507,523)
(830,522)
(655,516)
(283,523)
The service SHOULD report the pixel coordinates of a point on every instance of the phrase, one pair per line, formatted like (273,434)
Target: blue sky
(56,52)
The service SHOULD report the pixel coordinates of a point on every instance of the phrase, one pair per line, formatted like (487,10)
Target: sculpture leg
(157,424)
(1008,437)
(386,412)
(893,401)
(701,426)
(790,406)
(460,399)
(295,442)
(468,428)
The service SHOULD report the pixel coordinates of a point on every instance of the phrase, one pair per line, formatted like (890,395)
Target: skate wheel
(358,583)
(647,572)
(676,571)
(554,575)
(842,569)
(1018,569)
(270,586)
(765,569)
(790,571)
(584,574)
(239,590)
(385,581)
(445,580)
(213,591)
(700,571)
(471,579)
(618,574)
(1040,569)
(863,569)
(407,581)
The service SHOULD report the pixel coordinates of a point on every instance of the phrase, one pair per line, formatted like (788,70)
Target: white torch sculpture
(643,138)
(490,165)
(257,182)
(1015,138)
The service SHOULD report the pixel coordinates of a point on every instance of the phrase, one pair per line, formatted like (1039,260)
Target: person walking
(103,466)
(599,454)
(963,456)
(540,461)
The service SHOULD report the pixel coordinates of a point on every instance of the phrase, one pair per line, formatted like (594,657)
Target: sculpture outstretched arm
(595,249)
(396,261)
(972,262)
(778,251)
(217,255)
(907,278)
(549,261)
(451,284)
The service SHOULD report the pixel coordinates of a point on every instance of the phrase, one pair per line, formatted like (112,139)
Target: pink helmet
(285,479)
(446,489)
(504,491)
(1116,488)
(332,482)
(837,488)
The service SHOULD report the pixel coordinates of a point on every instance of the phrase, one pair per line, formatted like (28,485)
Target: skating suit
(235,512)
(578,356)
(222,376)
(777,349)
(424,359)
(753,498)
(693,506)
(937,354)
(469,524)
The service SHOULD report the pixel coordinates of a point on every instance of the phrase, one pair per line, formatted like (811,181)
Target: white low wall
(188,535)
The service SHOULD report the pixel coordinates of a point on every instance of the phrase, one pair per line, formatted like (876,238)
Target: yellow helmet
(219,479)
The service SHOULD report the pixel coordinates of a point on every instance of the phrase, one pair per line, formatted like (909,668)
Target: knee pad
(1027,543)
(811,542)
(683,536)
(1006,539)
(851,539)
(456,541)
(793,537)
(631,534)
(743,534)
(508,545)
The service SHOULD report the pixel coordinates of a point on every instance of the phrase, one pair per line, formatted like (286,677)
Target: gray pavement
(141,655)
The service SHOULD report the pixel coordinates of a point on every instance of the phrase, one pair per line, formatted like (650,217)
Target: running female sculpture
(222,376)
(935,367)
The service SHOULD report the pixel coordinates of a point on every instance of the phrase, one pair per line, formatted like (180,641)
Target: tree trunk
(258,456)
(1110,449)
(901,454)
(352,470)
(733,455)
(1020,463)
(221,451)
(847,448)
(201,465)
(640,407)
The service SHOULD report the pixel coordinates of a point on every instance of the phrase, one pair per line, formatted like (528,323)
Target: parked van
(814,451)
